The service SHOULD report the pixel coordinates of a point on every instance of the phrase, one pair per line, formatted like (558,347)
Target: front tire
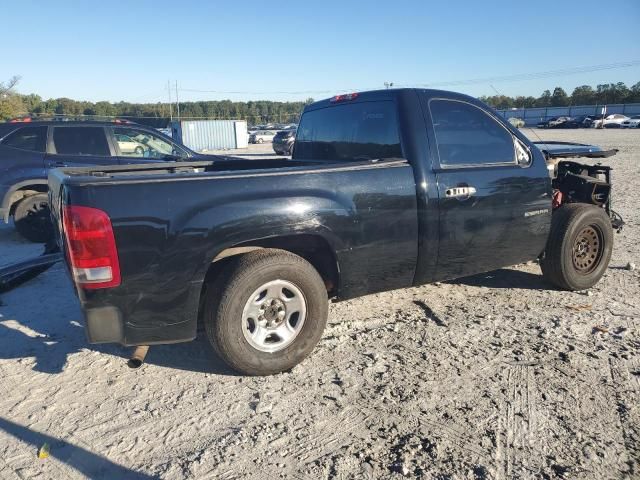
(32,218)
(265,312)
(579,247)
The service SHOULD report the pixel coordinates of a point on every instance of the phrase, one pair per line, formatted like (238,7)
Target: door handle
(460,192)
(59,164)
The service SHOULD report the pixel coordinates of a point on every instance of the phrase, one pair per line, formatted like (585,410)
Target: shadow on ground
(505,278)
(51,330)
(79,458)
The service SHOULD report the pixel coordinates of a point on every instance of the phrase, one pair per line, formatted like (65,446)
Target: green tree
(583,95)
(544,100)
(559,98)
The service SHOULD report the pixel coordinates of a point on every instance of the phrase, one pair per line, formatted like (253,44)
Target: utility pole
(177,101)
(170,104)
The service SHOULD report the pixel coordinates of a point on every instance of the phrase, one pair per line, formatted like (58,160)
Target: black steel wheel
(579,246)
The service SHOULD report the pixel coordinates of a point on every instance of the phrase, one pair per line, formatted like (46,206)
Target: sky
(278,50)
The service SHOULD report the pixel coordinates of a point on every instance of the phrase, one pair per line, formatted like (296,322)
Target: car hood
(568,149)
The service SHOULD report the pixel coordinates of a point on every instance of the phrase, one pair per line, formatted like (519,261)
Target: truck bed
(224,168)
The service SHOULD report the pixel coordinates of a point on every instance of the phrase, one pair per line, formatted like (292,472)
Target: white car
(615,119)
(633,122)
(262,136)
(129,145)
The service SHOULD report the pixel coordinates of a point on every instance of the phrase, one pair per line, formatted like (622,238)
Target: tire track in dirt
(620,376)
(514,457)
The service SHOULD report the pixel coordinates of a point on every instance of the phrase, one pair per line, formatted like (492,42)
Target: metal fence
(532,116)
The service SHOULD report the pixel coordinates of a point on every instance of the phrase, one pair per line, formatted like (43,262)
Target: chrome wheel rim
(273,316)
(587,249)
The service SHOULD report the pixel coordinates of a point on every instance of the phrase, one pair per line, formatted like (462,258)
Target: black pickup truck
(385,190)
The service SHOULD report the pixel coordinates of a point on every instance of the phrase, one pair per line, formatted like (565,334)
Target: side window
(466,135)
(349,132)
(143,144)
(80,141)
(32,139)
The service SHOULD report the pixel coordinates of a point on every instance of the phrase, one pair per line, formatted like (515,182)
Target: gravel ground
(494,376)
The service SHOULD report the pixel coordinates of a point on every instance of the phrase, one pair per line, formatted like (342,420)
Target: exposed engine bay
(580,183)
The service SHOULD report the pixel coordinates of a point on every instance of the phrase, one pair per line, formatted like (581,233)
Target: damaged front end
(575,182)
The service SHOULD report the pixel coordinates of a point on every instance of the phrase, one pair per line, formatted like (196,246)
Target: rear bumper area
(116,321)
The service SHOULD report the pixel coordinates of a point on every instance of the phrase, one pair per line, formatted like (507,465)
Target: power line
(504,78)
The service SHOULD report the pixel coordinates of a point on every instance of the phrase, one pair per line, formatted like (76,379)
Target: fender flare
(10,198)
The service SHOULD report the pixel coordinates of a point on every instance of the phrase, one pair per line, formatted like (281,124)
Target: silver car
(262,136)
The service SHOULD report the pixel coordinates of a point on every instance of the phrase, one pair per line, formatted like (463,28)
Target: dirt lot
(495,376)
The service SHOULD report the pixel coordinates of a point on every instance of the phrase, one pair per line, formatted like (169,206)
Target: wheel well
(313,248)
(23,192)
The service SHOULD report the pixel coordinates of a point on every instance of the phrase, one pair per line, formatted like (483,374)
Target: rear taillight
(91,247)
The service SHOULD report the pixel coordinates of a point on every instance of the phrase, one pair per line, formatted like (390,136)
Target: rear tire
(579,246)
(32,219)
(258,292)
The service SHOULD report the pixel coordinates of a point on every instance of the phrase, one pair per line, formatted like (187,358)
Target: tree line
(603,94)
(13,105)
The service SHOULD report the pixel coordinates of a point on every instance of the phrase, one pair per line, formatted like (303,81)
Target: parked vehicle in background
(386,189)
(553,122)
(128,144)
(589,119)
(29,149)
(283,142)
(632,122)
(610,121)
(582,121)
(516,122)
(262,136)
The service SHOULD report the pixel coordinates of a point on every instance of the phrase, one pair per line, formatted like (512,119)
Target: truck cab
(483,190)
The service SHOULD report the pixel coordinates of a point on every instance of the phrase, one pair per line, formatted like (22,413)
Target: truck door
(78,145)
(494,194)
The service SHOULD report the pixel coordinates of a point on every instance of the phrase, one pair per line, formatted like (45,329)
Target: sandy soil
(494,376)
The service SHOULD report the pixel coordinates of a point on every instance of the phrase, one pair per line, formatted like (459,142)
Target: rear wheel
(139,151)
(260,140)
(579,246)
(265,312)
(32,219)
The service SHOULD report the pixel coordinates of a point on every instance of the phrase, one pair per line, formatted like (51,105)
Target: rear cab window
(32,139)
(80,141)
(349,132)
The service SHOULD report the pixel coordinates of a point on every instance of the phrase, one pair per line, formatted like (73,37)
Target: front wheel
(266,311)
(32,218)
(579,246)
(260,140)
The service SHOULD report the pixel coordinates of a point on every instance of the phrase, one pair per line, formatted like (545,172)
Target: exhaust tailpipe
(137,358)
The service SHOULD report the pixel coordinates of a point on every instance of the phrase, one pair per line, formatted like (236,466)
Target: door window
(143,144)
(32,139)
(80,141)
(468,136)
(349,132)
